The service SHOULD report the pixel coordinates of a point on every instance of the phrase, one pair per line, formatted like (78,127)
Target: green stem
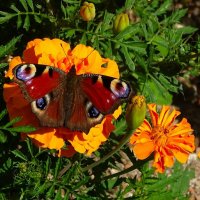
(115,150)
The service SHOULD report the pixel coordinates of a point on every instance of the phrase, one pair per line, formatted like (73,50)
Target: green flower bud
(87,11)
(136,111)
(121,22)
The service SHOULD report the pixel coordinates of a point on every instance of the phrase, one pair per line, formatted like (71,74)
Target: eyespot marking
(120,88)
(91,110)
(40,104)
(25,72)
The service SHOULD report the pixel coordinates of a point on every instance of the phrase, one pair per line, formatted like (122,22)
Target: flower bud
(121,22)
(87,11)
(136,111)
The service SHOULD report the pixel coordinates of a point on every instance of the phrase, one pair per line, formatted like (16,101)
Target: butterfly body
(77,102)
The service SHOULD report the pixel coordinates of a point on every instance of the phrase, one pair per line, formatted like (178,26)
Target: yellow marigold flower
(87,11)
(167,138)
(57,53)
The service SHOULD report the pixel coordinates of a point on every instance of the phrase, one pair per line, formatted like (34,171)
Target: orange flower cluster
(167,138)
(57,53)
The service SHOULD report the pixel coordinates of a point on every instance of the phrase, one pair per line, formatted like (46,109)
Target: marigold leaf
(24,4)
(19,154)
(187,30)
(6,18)
(3,137)
(3,114)
(130,30)
(6,49)
(128,58)
(129,4)
(26,23)
(19,21)
(13,121)
(139,47)
(164,7)
(108,17)
(30,4)
(175,17)
(13,7)
(37,19)
(23,129)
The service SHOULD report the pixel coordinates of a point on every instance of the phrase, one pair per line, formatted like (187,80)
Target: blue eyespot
(120,88)
(93,112)
(41,103)
(25,72)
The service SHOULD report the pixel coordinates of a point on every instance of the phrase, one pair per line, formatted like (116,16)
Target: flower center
(159,135)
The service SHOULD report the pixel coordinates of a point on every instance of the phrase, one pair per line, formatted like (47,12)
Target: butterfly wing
(95,97)
(106,93)
(42,86)
(37,80)
(67,100)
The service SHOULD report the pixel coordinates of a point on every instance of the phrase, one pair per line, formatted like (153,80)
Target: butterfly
(60,99)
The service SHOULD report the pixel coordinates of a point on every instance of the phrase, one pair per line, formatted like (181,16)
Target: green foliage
(151,53)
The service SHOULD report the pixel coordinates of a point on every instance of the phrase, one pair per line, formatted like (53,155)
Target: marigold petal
(153,114)
(181,128)
(68,152)
(47,138)
(143,150)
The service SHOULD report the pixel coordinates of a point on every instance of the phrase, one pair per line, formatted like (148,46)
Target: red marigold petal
(154,115)
(68,152)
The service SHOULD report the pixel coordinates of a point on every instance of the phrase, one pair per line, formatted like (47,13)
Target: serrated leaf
(162,44)
(57,168)
(23,129)
(164,7)
(3,137)
(167,84)
(120,127)
(13,7)
(6,49)
(19,21)
(175,16)
(2,65)
(24,4)
(139,47)
(30,4)
(6,18)
(129,4)
(4,13)
(13,121)
(19,154)
(26,23)
(3,114)
(155,92)
(63,9)
(187,30)
(108,17)
(128,58)
(130,30)
(37,19)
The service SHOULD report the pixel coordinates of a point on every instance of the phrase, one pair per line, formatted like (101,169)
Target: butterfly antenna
(63,49)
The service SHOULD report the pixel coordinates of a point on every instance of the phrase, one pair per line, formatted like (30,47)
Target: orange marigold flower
(57,53)
(167,138)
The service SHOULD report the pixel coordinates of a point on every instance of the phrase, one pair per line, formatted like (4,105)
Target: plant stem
(115,150)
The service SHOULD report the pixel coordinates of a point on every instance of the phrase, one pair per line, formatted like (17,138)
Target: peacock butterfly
(77,102)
